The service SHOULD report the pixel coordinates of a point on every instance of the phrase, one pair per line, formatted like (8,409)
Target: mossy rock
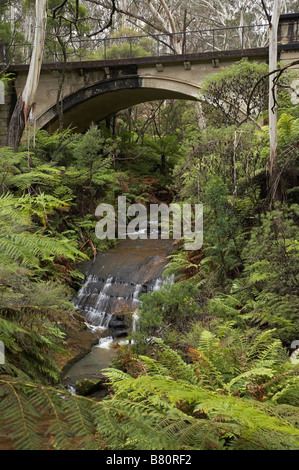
(86,387)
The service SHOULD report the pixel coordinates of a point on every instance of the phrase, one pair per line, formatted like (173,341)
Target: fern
(18,244)
(175,365)
(220,415)
(241,382)
(30,353)
(152,411)
(289,393)
(25,405)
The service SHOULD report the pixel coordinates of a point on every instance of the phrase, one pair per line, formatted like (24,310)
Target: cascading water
(112,287)
(135,322)
(100,302)
(114,283)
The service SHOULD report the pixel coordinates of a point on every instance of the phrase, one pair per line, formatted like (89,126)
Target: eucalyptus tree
(180,16)
(273,32)
(67,20)
(26,99)
(153,17)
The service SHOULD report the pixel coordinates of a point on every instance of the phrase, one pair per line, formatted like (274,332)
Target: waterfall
(112,287)
(93,299)
(161,282)
(72,389)
(136,294)
(100,301)
(157,285)
(105,343)
(135,322)
(117,278)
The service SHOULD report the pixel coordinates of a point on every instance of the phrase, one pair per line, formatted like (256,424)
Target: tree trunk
(26,99)
(168,24)
(273,183)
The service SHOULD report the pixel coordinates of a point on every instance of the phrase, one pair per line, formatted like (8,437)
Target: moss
(86,387)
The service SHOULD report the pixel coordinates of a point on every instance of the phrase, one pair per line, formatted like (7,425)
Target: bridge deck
(95,89)
(260,52)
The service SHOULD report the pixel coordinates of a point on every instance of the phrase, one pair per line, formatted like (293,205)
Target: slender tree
(26,99)
(273,29)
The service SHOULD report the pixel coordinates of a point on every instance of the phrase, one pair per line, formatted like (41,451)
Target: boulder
(86,387)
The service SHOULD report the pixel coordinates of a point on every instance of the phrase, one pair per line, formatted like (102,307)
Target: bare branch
(279,72)
(59,7)
(266,13)
(109,23)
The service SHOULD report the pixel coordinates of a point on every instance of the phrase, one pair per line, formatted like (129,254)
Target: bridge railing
(188,42)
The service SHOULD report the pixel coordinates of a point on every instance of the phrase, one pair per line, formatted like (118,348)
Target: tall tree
(26,99)
(67,23)
(273,31)
(179,16)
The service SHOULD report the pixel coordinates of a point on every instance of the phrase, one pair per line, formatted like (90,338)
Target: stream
(113,284)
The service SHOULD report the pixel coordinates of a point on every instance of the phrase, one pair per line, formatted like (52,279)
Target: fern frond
(173,362)
(241,381)
(264,339)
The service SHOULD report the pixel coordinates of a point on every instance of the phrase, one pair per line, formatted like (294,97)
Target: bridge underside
(99,101)
(94,90)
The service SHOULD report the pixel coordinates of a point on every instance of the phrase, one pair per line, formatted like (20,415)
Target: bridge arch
(104,98)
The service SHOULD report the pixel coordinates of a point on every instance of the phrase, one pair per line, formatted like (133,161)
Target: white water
(135,322)
(72,389)
(99,299)
(160,283)
(112,288)
(105,343)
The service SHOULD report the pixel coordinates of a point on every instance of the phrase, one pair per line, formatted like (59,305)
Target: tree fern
(153,411)
(30,353)
(25,406)
(220,416)
(242,382)
(18,244)
(289,392)
(173,362)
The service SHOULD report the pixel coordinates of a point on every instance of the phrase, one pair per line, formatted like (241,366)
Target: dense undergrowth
(209,366)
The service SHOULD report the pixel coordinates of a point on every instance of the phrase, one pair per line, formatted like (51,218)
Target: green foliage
(30,345)
(226,381)
(165,407)
(287,132)
(120,47)
(75,169)
(25,405)
(125,51)
(10,164)
(181,392)
(174,304)
(266,293)
(222,252)
(71,21)
(32,301)
(271,269)
(18,244)
(229,92)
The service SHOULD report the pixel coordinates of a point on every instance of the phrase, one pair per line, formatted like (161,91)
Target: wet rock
(116,322)
(118,332)
(86,387)
(118,327)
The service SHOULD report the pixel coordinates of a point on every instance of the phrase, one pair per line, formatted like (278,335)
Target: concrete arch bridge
(96,89)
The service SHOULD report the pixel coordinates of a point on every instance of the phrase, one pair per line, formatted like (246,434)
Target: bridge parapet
(158,45)
(288,29)
(95,89)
